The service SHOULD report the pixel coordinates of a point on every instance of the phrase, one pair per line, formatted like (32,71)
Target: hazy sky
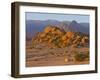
(56,16)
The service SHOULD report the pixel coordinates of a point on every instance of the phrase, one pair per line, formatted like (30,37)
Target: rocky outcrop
(55,37)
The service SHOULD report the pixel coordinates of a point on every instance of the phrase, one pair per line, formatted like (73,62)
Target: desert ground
(43,55)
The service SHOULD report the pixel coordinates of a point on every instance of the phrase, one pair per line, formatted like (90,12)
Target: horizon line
(55,20)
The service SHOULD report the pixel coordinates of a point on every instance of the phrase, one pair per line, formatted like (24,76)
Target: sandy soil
(42,55)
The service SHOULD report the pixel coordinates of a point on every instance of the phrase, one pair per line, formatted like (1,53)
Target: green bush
(81,56)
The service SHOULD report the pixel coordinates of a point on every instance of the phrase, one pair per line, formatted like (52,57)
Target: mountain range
(35,26)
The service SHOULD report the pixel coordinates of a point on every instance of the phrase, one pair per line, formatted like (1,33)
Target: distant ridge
(35,26)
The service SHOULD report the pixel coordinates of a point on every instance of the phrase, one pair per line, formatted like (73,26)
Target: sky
(57,16)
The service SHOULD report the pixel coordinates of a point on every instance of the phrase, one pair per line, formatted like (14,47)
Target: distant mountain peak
(34,26)
(74,21)
(74,26)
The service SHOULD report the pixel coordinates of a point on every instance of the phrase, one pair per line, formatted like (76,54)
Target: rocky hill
(57,38)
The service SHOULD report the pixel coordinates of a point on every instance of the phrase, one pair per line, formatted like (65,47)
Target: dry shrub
(81,56)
